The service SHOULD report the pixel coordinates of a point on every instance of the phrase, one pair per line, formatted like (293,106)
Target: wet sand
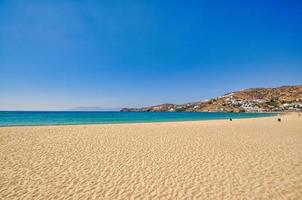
(241,159)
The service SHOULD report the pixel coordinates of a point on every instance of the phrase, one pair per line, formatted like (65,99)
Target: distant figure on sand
(279,119)
(231,119)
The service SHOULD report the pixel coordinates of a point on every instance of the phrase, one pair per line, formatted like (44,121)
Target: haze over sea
(27,118)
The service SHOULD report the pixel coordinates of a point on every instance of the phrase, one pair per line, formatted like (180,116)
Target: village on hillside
(281,99)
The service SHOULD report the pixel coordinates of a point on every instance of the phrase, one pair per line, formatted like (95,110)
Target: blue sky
(55,55)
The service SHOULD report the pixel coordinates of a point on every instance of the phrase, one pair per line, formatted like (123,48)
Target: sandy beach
(241,159)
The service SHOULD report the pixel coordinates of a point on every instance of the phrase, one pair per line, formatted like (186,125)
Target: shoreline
(148,122)
(258,158)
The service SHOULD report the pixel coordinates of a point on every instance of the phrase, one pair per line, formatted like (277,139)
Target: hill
(285,98)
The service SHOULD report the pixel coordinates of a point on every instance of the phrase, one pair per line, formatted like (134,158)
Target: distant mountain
(285,98)
(92,108)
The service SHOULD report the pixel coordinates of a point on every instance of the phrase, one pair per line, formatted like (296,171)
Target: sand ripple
(243,159)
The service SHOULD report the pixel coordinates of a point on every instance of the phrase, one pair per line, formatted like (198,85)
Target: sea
(35,118)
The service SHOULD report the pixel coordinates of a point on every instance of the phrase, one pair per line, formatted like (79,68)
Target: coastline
(216,159)
(140,123)
(137,121)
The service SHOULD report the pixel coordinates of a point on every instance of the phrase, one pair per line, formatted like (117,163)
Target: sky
(58,55)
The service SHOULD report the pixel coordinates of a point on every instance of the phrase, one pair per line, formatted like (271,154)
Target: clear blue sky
(61,54)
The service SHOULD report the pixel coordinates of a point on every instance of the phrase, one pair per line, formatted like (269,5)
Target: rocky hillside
(285,98)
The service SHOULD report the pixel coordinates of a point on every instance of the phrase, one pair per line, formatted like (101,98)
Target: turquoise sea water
(27,118)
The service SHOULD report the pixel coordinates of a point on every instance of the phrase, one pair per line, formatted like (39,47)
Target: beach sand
(241,159)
